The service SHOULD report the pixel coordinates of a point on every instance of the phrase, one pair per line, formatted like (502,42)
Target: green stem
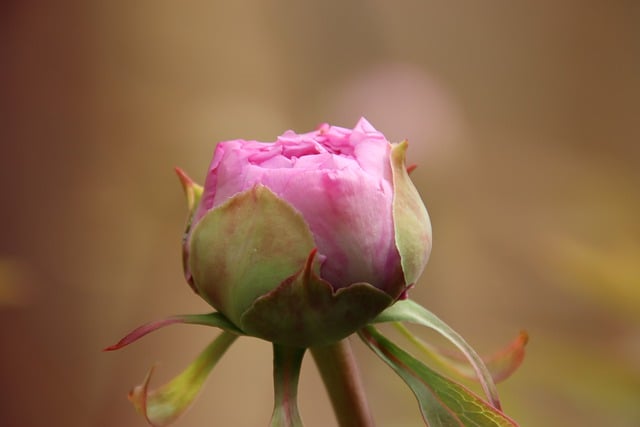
(339,372)
(286,370)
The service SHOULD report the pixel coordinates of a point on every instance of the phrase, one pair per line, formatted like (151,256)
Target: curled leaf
(443,403)
(410,311)
(164,405)
(212,319)
(501,364)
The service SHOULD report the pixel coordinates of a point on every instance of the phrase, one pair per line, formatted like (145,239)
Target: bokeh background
(522,116)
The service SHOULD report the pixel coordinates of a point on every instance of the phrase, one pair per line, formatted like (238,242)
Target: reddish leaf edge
(214,319)
(501,364)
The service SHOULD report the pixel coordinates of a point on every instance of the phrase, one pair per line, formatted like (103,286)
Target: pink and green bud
(304,240)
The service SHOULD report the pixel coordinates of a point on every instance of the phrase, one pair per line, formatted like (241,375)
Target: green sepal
(443,403)
(305,310)
(410,218)
(163,406)
(245,248)
(409,311)
(193,193)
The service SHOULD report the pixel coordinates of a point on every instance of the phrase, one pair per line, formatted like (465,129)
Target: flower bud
(304,240)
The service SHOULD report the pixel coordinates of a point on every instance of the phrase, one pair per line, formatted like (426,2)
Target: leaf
(443,403)
(212,319)
(286,371)
(501,364)
(163,406)
(410,311)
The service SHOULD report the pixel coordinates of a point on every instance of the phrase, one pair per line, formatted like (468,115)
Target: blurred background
(522,117)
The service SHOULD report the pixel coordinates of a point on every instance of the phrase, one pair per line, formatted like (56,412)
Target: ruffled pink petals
(349,214)
(341,181)
(365,127)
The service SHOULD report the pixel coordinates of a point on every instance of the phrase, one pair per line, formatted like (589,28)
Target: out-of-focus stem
(340,374)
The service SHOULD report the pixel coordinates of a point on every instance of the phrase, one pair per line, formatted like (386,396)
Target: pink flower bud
(345,194)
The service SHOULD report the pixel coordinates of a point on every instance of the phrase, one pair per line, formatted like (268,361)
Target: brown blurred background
(523,118)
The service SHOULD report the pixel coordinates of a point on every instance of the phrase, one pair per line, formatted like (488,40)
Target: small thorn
(411,168)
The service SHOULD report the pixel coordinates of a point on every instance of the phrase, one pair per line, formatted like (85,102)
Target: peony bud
(304,240)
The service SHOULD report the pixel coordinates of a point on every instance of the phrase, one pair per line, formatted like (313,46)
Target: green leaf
(443,403)
(410,311)
(501,365)
(286,371)
(245,248)
(163,406)
(212,319)
(410,218)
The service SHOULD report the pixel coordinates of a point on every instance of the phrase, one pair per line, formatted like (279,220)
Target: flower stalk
(341,378)
(286,371)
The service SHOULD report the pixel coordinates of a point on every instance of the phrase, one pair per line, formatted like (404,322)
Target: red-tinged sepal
(192,191)
(212,319)
(501,364)
(305,310)
(164,405)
